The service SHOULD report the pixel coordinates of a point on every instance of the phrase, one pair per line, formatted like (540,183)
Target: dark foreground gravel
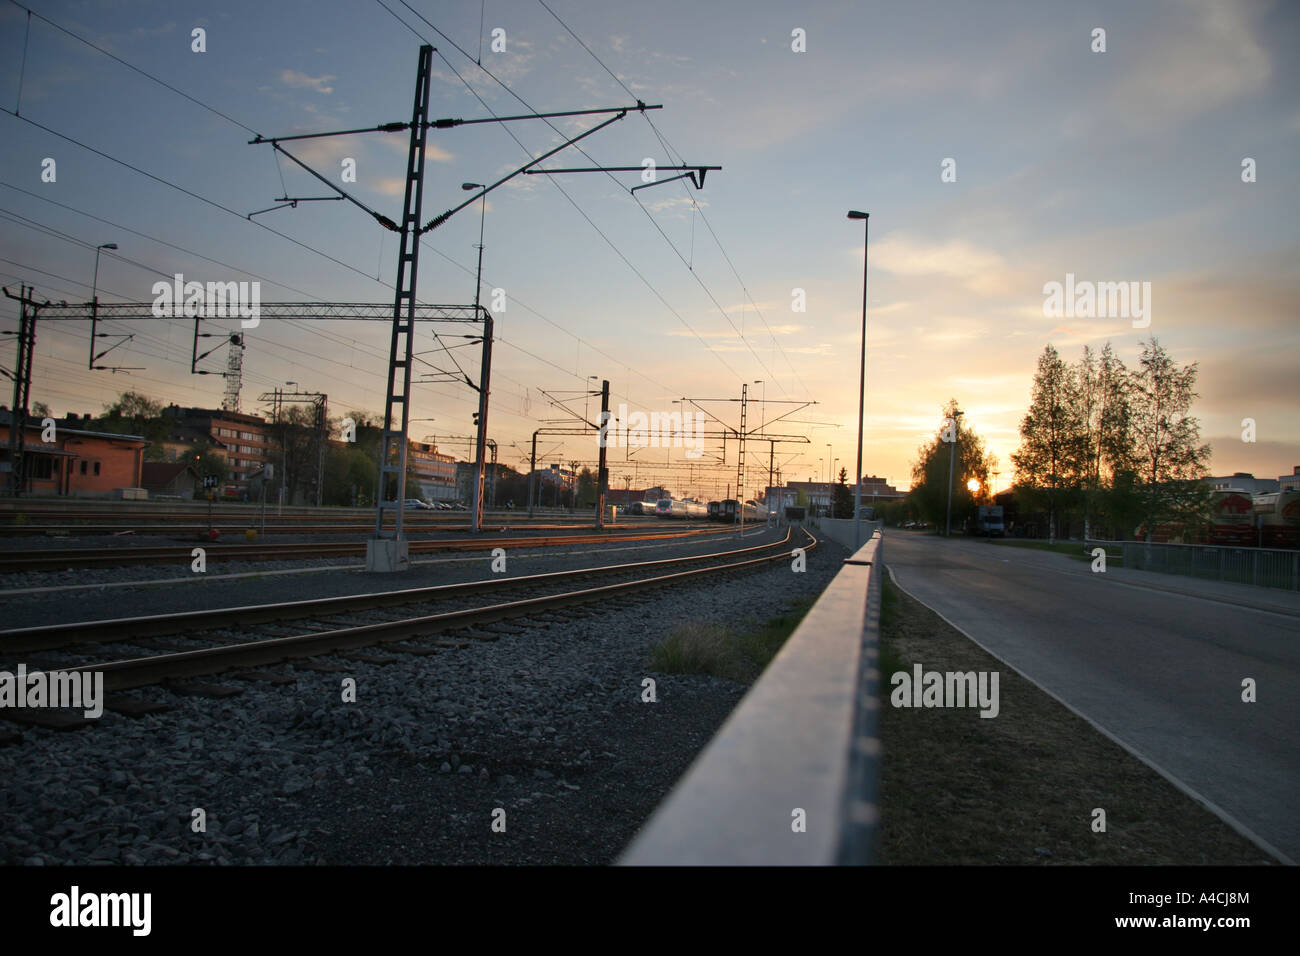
(543,730)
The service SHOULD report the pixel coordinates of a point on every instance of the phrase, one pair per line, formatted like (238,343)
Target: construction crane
(234,373)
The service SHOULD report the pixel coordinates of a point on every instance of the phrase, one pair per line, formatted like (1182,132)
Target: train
(681,508)
(1239,519)
(729,508)
(1277,517)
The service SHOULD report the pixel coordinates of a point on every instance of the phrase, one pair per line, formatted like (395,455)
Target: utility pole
(602,473)
(480,419)
(740,459)
(22,376)
(532,473)
(388,550)
(771,463)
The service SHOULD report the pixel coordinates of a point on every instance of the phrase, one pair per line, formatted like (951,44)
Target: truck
(988,521)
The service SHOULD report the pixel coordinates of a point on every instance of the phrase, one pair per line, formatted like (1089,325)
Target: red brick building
(76,463)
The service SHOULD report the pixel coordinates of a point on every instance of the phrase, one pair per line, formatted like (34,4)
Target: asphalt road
(1161,672)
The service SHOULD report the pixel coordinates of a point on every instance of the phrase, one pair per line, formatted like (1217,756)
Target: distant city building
(247,442)
(436,473)
(1244,482)
(820,494)
(1290,482)
(873,487)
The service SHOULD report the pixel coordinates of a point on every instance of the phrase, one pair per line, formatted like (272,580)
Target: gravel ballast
(543,729)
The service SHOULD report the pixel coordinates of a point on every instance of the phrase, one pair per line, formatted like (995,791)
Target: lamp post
(862,384)
(952,448)
(94,301)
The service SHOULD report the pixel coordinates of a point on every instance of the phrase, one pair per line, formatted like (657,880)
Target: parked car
(415,504)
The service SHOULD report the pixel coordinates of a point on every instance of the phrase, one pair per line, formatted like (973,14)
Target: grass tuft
(723,651)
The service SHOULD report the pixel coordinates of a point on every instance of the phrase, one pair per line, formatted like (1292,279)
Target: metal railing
(1263,567)
(793,776)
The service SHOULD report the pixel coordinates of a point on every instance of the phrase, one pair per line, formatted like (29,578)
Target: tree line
(1113,448)
(1117,447)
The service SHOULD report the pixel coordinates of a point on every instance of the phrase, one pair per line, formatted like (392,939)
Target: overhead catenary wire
(562,190)
(247,128)
(162,180)
(674,154)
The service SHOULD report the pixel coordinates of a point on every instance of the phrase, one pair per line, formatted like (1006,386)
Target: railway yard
(306,712)
(478,435)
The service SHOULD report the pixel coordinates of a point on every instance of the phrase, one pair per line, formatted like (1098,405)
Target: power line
(243,126)
(671,244)
(670,150)
(562,190)
(195,195)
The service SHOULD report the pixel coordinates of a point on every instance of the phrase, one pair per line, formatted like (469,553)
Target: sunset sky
(1116,166)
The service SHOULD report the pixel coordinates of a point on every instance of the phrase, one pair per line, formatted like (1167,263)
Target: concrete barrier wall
(840,530)
(793,776)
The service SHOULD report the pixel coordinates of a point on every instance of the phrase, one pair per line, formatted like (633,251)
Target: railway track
(51,559)
(331,624)
(58,523)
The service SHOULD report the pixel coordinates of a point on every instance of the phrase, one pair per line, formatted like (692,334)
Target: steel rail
(141,672)
(43,559)
(49,636)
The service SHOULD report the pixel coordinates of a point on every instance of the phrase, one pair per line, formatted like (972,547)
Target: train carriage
(1278,518)
(681,508)
(1232,518)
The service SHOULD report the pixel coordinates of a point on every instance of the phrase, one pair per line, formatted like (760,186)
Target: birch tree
(1170,461)
(1048,456)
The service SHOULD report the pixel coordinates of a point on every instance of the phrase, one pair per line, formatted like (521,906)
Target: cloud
(302,81)
(389,186)
(1187,65)
(679,204)
(400,143)
(982,270)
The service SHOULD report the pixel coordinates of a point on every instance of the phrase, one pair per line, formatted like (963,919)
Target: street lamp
(94,301)
(952,448)
(862,383)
